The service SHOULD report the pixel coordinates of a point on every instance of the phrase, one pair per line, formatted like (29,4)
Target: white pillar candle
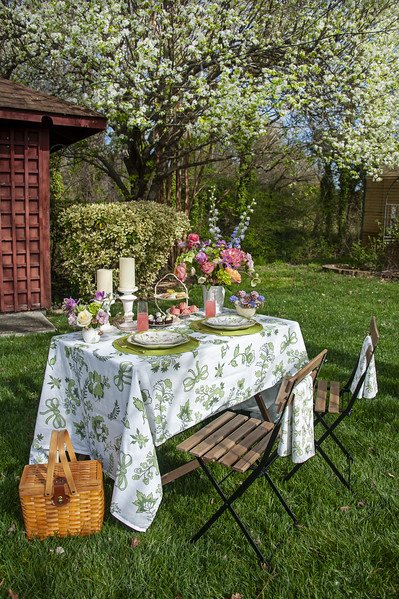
(104,280)
(127,275)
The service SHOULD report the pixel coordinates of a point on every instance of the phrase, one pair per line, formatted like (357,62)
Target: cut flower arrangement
(216,261)
(91,315)
(248,300)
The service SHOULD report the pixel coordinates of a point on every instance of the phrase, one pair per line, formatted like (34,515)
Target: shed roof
(67,122)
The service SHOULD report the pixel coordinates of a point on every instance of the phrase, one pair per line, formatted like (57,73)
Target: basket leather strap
(57,445)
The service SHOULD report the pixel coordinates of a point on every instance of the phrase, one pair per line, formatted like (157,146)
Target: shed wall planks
(378,194)
(24,219)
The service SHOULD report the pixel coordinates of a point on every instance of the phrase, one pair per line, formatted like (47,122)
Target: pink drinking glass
(210,305)
(142,316)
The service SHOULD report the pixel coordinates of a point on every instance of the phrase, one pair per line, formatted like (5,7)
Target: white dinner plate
(229,322)
(157,339)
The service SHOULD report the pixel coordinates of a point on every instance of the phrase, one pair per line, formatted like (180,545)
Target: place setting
(230,324)
(155,343)
(227,324)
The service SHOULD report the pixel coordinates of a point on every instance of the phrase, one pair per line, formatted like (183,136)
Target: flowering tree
(177,79)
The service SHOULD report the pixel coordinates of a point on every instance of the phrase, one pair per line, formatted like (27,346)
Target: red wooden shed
(32,125)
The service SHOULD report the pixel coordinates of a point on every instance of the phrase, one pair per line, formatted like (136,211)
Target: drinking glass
(210,304)
(142,316)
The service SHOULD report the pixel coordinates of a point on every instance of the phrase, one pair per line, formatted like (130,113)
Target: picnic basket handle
(58,438)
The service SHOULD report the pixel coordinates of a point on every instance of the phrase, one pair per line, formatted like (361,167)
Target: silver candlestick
(127,298)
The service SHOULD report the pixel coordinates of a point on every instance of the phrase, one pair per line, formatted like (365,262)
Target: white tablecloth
(118,408)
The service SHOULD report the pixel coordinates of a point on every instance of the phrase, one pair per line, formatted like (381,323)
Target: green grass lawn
(350,552)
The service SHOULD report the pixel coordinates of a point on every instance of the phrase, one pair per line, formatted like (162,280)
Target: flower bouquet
(89,317)
(247,303)
(216,261)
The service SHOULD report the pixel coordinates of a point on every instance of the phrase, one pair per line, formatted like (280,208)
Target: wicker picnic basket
(64,498)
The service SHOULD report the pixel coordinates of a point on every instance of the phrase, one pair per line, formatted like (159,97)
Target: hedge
(94,236)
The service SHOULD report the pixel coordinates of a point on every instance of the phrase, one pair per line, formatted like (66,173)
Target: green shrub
(367,256)
(94,236)
(377,253)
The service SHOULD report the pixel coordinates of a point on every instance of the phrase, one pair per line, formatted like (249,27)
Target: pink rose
(192,240)
(181,272)
(208,268)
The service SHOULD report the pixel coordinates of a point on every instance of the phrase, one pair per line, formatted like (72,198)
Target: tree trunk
(327,197)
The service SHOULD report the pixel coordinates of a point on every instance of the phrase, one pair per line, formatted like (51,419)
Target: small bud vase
(246,312)
(91,335)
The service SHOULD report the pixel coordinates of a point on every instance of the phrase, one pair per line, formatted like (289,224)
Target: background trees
(187,84)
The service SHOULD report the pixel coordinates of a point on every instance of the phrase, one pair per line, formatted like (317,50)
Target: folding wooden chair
(336,404)
(244,445)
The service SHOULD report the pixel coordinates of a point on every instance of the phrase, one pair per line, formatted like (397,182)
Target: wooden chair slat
(190,442)
(206,444)
(262,407)
(321,396)
(226,444)
(374,334)
(333,406)
(254,454)
(241,448)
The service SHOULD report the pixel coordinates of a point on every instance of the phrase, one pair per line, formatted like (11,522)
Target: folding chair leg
(335,438)
(281,498)
(329,432)
(334,468)
(293,470)
(227,506)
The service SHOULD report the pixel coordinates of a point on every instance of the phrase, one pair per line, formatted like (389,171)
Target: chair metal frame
(347,401)
(260,468)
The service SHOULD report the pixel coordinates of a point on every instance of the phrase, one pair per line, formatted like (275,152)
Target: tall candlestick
(104,280)
(127,275)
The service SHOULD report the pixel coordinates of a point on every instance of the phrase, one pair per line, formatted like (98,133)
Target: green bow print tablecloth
(119,407)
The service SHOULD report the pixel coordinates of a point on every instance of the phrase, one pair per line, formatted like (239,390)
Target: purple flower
(69,304)
(102,316)
(72,320)
(250,262)
(233,299)
(242,294)
(201,257)
(100,296)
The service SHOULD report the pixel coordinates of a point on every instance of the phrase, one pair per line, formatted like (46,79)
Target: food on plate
(183,309)
(172,294)
(160,320)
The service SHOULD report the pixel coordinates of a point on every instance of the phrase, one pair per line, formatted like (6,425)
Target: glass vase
(215,293)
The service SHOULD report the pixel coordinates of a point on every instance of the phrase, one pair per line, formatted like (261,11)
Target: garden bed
(345,269)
